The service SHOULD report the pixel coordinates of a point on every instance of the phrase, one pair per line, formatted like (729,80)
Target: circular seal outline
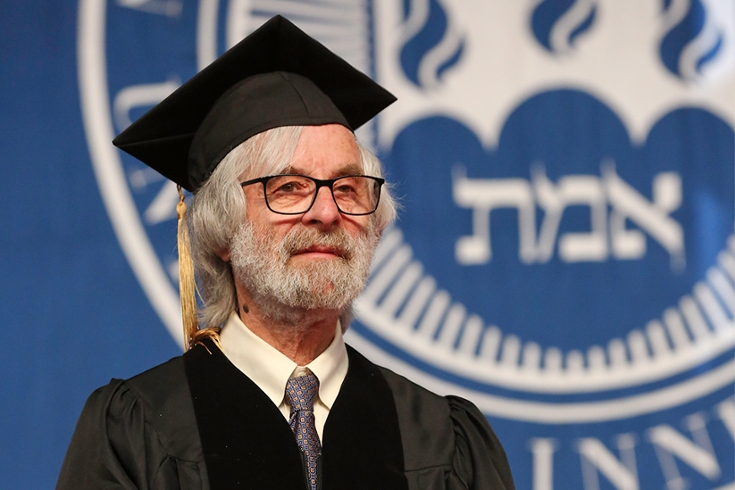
(501,360)
(97,119)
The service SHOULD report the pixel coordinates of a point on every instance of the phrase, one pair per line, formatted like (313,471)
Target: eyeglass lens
(295,194)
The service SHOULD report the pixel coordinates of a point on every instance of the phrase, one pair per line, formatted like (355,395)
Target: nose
(323,213)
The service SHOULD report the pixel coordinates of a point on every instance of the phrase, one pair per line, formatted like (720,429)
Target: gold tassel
(187,286)
(186,275)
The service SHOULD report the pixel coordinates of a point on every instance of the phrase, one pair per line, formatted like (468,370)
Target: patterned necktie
(300,392)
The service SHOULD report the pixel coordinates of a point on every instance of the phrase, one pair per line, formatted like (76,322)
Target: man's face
(319,259)
(323,152)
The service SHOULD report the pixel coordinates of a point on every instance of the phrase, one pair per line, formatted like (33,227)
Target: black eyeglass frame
(329,183)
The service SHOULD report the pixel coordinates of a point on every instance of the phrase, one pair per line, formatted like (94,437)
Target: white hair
(218,208)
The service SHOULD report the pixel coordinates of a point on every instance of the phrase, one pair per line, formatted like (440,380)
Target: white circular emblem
(410,320)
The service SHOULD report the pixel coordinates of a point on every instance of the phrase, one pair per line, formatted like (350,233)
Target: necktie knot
(300,392)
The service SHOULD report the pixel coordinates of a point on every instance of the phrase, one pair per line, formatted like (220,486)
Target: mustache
(301,239)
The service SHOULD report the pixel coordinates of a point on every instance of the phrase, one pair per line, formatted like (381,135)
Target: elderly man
(287,211)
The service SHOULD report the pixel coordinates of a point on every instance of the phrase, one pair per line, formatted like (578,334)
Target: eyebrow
(349,169)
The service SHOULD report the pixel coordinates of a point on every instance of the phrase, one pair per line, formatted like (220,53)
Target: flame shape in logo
(431,43)
(557,24)
(692,40)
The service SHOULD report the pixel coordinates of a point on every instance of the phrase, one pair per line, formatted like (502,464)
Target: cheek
(357,225)
(263,219)
(272,228)
(254,204)
(258,216)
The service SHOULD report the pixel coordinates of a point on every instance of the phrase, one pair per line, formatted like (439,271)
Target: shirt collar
(269,369)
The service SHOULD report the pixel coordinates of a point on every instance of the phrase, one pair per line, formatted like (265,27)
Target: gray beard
(284,291)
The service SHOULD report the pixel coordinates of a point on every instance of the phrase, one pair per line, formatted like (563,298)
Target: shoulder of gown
(137,434)
(447,442)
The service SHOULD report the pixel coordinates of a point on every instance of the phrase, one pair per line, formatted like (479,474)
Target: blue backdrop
(564,257)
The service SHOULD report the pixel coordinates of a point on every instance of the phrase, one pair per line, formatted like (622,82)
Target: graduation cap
(277,76)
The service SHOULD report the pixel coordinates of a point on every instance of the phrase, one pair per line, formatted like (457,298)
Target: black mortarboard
(277,76)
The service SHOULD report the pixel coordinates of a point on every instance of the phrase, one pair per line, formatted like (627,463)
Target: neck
(299,334)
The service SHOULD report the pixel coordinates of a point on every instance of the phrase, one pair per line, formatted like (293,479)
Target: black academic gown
(197,422)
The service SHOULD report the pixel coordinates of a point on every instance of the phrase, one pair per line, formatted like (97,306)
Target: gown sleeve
(118,445)
(109,433)
(448,443)
(479,461)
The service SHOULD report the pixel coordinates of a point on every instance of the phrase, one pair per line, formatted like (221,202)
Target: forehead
(329,149)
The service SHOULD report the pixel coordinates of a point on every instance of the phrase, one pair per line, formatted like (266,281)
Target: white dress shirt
(270,369)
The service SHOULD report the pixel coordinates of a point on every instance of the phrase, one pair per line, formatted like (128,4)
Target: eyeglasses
(356,195)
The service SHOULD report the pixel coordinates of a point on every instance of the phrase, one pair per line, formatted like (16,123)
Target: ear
(224,255)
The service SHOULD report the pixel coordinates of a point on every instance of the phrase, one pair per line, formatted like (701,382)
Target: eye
(344,188)
(289,185)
